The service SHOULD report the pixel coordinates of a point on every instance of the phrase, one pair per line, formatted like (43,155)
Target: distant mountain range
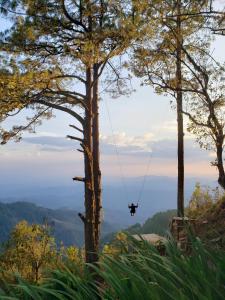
(158,194)
(66,225)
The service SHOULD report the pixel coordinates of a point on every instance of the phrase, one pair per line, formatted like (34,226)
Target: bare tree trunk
(96,157)
(220,167)
(89,219)
(180,130)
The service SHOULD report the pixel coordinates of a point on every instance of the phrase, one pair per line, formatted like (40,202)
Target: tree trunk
(96,156)
(89,219)
(220,167)
(180,130)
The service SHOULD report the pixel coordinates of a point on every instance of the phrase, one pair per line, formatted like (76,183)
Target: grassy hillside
(211,223)
(207,207)
(66,225)
(158,223)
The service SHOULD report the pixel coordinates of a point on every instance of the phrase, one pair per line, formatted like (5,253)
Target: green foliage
(51,45)
(118,245)
(29,251)
(206,106)
(73,255)
(158,223)
(138,274)
(202,200)
(66,225)
(207,206)
(19,81)
(155,55)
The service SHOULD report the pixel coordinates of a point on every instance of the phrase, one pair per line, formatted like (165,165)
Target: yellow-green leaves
(29,251)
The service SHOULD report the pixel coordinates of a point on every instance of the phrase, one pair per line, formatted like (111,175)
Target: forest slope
(66,225)
(158,223)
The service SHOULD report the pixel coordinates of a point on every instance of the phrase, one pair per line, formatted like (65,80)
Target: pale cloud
(169,126)
(50,142)
(48,134)
(145,154)
(121,139)
(168,130)
(132,155)
(142,145)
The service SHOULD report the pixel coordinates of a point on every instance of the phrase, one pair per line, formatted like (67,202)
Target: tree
(205,107)
(73,42)
(220,23)
(209,12)
(14,89)
(29,251)
(201,199)
(159,61)
(117,246)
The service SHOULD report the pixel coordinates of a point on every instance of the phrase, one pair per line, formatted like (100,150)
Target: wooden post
(180,228)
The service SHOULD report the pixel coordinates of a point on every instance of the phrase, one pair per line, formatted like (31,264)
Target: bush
(138,274)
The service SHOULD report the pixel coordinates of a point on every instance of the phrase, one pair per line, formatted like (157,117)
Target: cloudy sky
(138,137)
(141,140)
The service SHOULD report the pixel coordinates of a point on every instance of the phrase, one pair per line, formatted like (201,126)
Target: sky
(138,137)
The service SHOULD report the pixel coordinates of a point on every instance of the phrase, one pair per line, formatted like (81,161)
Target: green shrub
(140,273)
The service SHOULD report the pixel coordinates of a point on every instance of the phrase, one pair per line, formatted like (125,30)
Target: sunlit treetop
(155,58)
(87,30)
(53,42)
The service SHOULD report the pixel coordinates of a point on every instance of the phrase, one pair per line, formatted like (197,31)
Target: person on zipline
(132,208)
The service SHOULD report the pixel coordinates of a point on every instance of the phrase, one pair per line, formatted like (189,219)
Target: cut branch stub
(79,150)
(74,138)
(82,179)
(82,217)
(75,127)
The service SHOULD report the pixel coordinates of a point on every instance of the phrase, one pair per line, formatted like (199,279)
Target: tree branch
(194,120)
(62,108)
(82,217)
(75,127)
(22,128)
(70,76)
(71,95)
(75,138)
(71,19)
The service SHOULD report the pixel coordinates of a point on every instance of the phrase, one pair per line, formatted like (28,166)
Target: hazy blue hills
(61,203)
(159,194)
(66,225)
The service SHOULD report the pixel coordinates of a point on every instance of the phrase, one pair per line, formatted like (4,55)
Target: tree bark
(89,219)
(220,167)
(180,130)
(96,156)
